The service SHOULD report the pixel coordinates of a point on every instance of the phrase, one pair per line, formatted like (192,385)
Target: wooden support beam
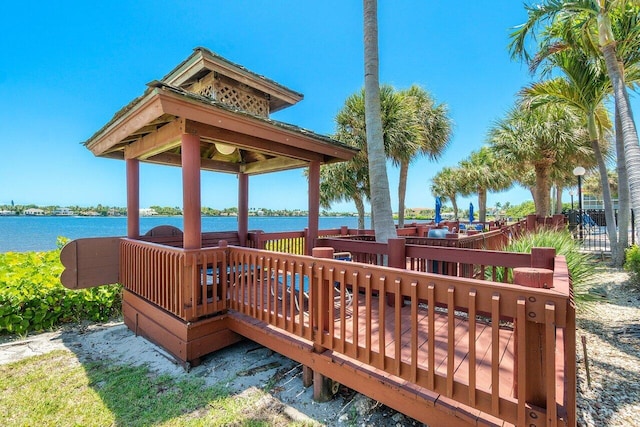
(249,142)
(173,159)
(162,139)
(272,165)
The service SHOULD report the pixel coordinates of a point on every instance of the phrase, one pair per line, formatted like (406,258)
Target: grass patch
(56,389)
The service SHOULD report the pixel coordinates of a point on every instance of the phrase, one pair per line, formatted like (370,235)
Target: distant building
(63,212)
(34,212)
(148,212)
(7,213)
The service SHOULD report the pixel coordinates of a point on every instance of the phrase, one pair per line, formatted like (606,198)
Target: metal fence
(590,228)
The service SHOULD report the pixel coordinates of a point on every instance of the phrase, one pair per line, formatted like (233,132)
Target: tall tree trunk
(534,196)
(360,208)
(482,204)
(378,180)
(558,199)
(628,127)
(454,203)
(604,183)
(543,189)
(624,210)
(402,191)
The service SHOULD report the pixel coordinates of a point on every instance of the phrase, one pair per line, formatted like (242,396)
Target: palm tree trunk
(543,188)
(454,203)
(402,191)
(482,204)
(378,180)
(361,213)
(604,183)
(558,199)
(628,127)
(624,211)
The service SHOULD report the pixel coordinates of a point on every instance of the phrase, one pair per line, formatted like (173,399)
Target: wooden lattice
(242,97)
(232,93)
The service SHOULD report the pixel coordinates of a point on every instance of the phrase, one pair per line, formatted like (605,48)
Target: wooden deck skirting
(451,338)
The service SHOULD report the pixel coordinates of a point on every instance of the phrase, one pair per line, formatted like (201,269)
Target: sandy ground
(243,367)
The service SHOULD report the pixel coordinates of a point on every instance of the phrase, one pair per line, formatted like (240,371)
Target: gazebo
(459,348)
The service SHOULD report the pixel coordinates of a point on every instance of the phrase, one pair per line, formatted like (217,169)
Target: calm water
(28,233)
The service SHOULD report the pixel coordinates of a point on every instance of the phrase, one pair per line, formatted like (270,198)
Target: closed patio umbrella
(438,218)
(470,212)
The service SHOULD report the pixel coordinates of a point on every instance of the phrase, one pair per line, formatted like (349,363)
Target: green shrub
(580,264)
(632,265)
(33,299)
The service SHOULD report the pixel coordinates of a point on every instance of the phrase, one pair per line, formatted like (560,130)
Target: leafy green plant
(33,299)
(632,265)
(580,264)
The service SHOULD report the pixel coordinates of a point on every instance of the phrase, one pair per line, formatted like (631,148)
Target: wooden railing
(188,283)
(392,337)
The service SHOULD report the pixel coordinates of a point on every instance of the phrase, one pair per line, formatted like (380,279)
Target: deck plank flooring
(356,320)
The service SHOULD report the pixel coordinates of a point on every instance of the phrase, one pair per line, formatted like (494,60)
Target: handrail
(189,283)
(441,301)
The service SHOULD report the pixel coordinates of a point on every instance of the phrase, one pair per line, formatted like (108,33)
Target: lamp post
(571,193)
(579,171)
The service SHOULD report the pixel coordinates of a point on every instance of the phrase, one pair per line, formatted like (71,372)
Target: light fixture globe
(579,171)
(225,149)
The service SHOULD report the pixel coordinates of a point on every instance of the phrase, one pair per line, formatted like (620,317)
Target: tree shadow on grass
(140,386)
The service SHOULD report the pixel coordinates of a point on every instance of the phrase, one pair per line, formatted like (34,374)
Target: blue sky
(67,67)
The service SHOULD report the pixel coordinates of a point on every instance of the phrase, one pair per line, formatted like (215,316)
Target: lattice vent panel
(237,97)
(204,86)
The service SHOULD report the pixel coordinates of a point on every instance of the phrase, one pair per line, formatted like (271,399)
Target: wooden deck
(446,350)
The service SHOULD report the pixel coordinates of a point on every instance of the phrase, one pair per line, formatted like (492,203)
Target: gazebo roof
(228,107)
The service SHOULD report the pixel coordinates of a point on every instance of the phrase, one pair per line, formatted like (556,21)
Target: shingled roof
(227,106)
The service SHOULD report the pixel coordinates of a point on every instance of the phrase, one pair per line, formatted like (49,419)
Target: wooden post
(543,258)
(314,204)
(191,191)
(532,222)
(322,386)
(536,370)
(397,259)
(243,208)
(344,230)
(133,198)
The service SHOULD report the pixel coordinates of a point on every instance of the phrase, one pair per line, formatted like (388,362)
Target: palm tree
(429,135)
(587,23)
(538,139)
(482,172)
(342,182)
(380,198)
(446,185)
(583,90)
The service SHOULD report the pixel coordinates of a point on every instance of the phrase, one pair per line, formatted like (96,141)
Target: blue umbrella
(470,212)
(438,218)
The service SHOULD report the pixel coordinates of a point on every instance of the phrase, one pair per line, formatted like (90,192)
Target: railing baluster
(355,321)
(521,354)
(331,308)
(414,331)
(431,344)
(343,310)
(368,307)
(451,339)
(382,321)
(550,362)
(472,347)
(312,303)
(398,330)
(495,353)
